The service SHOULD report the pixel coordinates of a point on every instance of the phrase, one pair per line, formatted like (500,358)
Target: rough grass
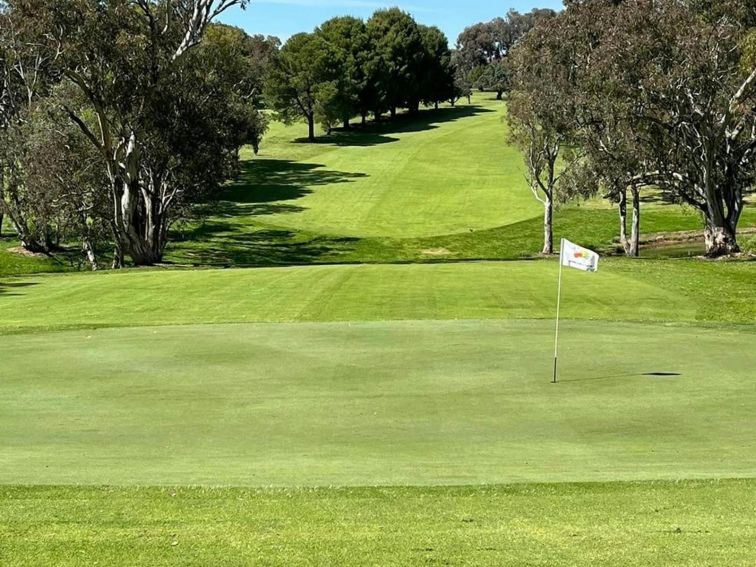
(691,523)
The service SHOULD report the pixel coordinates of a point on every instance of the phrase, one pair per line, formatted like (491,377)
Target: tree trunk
(364,118)
(720,240)
(393,112)
(634,247)
(435,105)
(117,257)
(346,123)
(499,95)
(311,128)
(623,219)
(89,253)
(548,226)
(2,216)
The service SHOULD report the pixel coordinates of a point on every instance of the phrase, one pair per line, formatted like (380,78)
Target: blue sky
(284,18)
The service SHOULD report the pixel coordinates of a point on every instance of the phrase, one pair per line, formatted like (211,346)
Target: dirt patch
(21,251)
(436,252)
(663,239)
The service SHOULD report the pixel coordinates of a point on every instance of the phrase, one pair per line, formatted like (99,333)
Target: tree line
(622,98)
(349,68)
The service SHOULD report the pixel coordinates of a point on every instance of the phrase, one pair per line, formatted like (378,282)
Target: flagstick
(559,300)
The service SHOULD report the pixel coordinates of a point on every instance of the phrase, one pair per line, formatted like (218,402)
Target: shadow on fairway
(374,134)
(262,182)
(8,289)
(662,374)
(225,236)
(224,244)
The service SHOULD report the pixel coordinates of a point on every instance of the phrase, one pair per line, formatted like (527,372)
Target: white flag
(575,256)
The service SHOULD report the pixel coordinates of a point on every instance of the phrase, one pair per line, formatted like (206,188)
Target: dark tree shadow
(265,181)
(10,289)
(376,133)
(223,236)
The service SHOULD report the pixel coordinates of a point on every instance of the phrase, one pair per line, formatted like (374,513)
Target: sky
(284,18)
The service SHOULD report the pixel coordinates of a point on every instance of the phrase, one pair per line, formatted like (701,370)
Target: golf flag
(574,256)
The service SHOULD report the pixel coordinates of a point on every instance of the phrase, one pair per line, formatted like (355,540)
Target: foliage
(483,48)
(661,99)
(165,114)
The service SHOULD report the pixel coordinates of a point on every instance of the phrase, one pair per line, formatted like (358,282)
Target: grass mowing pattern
(445,185)
(643,290)
(691,523)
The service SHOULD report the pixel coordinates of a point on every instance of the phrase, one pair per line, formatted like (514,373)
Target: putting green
(403,403)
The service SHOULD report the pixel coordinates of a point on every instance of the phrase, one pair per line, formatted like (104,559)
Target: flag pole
(559,301)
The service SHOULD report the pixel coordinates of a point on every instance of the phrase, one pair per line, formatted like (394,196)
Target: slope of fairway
(402,403)
(622,290)
(446,171)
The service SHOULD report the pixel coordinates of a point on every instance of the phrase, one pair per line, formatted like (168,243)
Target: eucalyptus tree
(540,116)
(673,102)
(27,74)
(137,65)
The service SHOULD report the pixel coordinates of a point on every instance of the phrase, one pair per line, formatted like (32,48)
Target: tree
(437,79)
(301,79)
(676,88)
(484,47)
(136,64)
(399,47)
(351,48)
(540,116)
(494,77)
(28,73)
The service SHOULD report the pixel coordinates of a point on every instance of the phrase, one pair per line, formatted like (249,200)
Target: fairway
(408,403)
(407,179)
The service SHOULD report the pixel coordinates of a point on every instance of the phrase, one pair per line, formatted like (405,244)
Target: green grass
(693,524)
(433,377)
(631,290)
(446,185)
(402,403)
(441,173)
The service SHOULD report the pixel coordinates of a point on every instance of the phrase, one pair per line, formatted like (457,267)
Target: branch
(204,12)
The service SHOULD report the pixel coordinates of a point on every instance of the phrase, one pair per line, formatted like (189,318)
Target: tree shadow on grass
(226,233)
(377,133)
(271,181)
(223,245)
(10,289)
